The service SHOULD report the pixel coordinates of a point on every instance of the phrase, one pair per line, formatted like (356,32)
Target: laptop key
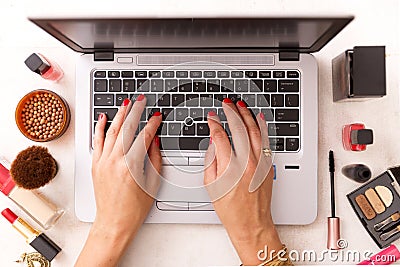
(184,143)
(156,85)
(293,74)
(103,99)
(237,74)
(188,130)
(192,100)
(207,110)
(100,74)
(268,114)
(254,112)
(213,85)
(241,85)
(151,100)
(181,74)
(127,74)
(202,129)
(114,85)
(221,114)
(195,74)
(292,144)
(168,114)
(286,114)
(181,114)
(185,85)
(154,74)
(113,74)
(256,85)
(263,100)
(288,86)
(209,74)
(234,97)
(177,99)
(128,85)
(141,74)
(218,98)
(249,99)
(276,141)
(143,85)
(206,100)
(251,74)
(196,114)
(279,74)
(283,129)
(171,85)
(264,74)
(100,85)
(227,85)
(223,74)
(174,128)
(276,100)
(291,100)
(119,98)
(199,86)
(163,100)
(168,74)
(110,113)
(151,111)
(270,86)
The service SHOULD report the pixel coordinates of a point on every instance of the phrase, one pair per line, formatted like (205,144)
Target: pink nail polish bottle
(49,70)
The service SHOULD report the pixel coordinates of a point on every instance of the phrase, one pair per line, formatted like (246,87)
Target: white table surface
(376,23)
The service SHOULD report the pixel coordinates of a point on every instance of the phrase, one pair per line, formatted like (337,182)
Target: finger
(240,137)
(210,164)
(223,148)
(126,136)
(98,139)
(142,142)
(262,124)
(251,125)
(153,168)
(115,127)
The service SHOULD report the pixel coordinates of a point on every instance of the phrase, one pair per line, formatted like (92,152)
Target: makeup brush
(333,221)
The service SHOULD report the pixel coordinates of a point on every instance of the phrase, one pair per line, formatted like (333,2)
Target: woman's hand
(239,181)
(122,182)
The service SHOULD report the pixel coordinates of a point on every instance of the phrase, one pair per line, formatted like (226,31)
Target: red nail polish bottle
(356,137)
(47,69)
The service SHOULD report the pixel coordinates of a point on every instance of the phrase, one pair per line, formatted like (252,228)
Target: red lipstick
(39,241)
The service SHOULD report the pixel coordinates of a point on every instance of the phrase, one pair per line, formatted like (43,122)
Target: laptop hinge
(104,56)
(289,56)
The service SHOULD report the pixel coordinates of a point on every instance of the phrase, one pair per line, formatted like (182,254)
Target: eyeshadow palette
(377,205)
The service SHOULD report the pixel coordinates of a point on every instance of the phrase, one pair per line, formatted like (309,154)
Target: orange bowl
(42,115)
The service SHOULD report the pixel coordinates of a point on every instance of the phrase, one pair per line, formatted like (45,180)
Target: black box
(359,74)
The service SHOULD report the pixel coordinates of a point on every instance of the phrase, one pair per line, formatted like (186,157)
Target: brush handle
(385,236)
(333,233)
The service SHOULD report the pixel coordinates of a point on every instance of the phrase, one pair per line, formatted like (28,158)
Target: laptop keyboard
(185,97)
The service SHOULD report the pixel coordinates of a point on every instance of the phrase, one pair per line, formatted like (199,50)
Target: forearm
(103,247)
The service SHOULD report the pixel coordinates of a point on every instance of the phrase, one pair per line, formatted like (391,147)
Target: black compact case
(366,196)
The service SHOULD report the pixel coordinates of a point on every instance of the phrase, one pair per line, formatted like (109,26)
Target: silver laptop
(186,67)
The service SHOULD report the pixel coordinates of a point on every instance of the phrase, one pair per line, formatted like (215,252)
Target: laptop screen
(198,34)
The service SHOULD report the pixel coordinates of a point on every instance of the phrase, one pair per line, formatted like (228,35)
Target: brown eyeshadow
(375,201)
(365,207)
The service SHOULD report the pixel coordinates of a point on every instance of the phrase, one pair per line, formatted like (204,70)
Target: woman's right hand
(239,181)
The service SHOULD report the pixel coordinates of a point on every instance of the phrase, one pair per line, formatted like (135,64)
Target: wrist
(115,236)
(260,245)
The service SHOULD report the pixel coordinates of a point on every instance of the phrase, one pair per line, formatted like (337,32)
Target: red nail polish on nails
(210,140)
(262,116)
(212,113)
(100,116)
(157,140)
(227,100)
(157,113)
(241,104)
(126,102)
(140,98)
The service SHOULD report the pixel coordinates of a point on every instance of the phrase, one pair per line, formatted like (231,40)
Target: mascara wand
(333,221)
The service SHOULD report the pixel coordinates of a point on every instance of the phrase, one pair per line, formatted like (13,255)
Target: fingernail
(212,113)
(227,100)
(241,104)
(140,98)
(157,140)
(100,116)
(126,102)
(262,116)
(157,113)
(210,140)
